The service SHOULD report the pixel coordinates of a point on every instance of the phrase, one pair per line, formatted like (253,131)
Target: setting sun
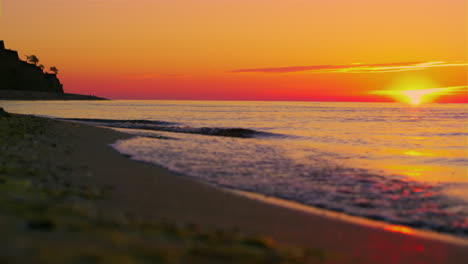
(419,96)
(416,97)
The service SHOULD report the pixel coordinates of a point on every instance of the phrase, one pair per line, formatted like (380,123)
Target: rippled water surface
(392,162)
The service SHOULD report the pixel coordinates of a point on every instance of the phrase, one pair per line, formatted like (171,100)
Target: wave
(449,134)
(119,122)
(315,181)
(175,127)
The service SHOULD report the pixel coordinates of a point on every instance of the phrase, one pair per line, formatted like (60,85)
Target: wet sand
(149,193)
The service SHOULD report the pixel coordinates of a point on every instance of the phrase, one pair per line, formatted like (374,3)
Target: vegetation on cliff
(16,74)
(27,80)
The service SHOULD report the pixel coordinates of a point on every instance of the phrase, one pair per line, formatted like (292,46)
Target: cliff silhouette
(22,80)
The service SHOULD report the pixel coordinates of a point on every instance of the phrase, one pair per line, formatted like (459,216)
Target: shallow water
(386,161)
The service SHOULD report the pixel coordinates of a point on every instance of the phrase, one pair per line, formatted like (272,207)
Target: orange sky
(333,50)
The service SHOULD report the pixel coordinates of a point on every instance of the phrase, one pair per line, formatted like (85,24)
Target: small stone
(3,113)
(41,225)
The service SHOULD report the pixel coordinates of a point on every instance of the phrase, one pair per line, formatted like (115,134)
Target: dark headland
(25,80)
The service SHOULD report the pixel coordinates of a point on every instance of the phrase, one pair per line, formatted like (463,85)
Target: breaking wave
(176,128)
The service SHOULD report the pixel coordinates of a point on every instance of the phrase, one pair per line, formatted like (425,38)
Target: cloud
(357,67)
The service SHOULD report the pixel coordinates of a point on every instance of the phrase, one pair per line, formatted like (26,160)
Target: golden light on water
(399,229)
(416,153)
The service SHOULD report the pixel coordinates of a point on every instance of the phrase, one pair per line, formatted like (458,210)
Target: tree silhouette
(32,59)
(54,70)
(41,66)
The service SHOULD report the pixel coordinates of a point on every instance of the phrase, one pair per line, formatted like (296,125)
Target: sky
(299,50)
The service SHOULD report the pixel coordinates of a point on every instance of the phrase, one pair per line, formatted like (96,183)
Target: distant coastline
(28,80)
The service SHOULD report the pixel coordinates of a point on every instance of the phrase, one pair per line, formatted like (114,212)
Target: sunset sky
(321,50)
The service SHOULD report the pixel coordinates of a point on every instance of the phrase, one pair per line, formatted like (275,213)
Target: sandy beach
(98,206)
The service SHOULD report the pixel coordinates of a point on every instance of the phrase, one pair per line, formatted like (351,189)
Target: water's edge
(385,162)
(309,209)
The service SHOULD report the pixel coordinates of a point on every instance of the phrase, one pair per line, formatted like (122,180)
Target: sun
(411,89)
(414,96)
(417,97)
(414,90)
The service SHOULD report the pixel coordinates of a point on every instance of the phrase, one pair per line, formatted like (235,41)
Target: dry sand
(144,191)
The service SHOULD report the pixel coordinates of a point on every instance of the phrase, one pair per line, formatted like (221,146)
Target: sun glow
(419,96)
(416,90)
(416,97)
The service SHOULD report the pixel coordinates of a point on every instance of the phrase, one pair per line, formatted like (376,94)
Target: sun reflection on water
(417,153)
(399,229)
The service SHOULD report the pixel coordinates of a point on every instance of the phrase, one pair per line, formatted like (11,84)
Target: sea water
(392,162)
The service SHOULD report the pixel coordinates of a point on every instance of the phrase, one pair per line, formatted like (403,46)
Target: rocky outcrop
(19,75)
(3,113)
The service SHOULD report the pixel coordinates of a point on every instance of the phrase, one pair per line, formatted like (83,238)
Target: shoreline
(317,211)
(152,193)
(328,214)
(309,209)
(322,215)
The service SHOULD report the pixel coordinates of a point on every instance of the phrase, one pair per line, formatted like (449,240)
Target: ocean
(402,164)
